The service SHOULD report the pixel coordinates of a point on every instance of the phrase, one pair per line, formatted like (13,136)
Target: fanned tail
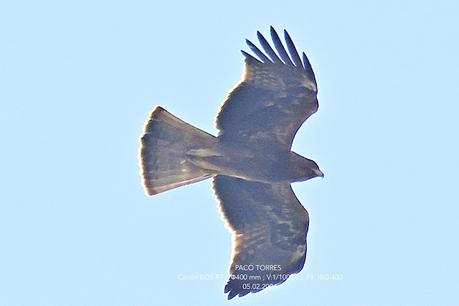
(163,155)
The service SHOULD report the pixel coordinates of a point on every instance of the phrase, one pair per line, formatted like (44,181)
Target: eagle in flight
(250,162)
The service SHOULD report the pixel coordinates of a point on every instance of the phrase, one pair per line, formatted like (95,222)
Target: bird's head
(304,168)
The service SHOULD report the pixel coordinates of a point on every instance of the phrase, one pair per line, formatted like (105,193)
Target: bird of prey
(250,161)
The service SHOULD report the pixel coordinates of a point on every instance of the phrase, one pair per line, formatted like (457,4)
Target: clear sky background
(79,78)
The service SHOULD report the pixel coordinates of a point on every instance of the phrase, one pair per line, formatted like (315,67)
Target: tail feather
(163,155)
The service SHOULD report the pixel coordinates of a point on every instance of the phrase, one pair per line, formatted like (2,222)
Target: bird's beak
(319,173)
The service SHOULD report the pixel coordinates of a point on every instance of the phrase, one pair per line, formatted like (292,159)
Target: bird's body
(250,161)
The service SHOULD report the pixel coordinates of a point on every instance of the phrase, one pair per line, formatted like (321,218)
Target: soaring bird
(250,161)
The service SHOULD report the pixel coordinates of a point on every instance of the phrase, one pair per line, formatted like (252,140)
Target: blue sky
(79,78)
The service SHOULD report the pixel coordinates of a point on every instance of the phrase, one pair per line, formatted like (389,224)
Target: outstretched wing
(269,225)
(277,94)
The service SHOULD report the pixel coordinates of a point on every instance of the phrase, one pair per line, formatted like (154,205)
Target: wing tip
(281,57)
(233,292)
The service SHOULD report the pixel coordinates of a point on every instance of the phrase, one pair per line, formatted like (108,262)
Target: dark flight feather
(280,48)
(257,51)
(308,69)
(268,49)
(292,50)
(250,57)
